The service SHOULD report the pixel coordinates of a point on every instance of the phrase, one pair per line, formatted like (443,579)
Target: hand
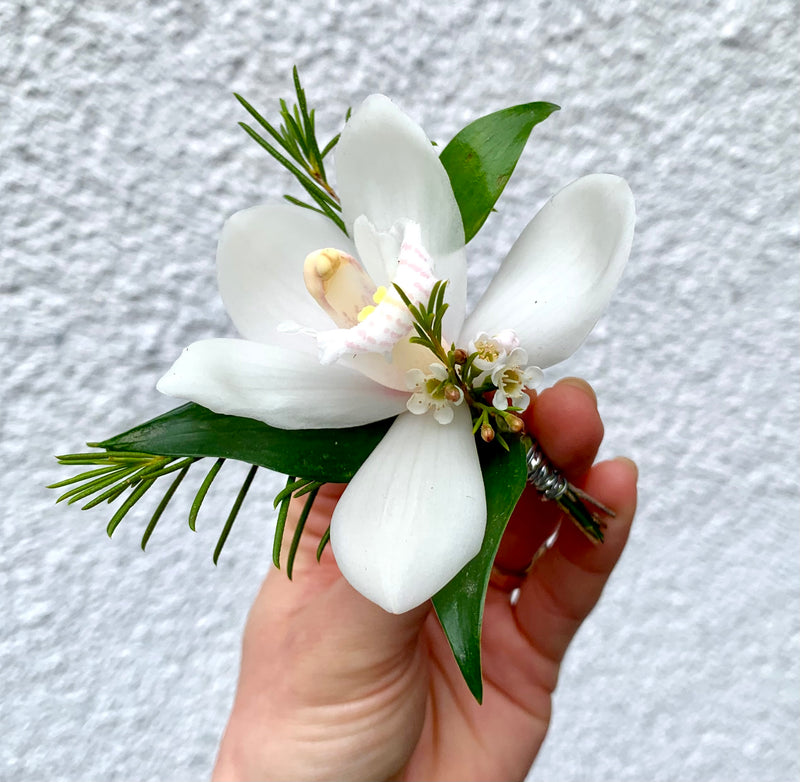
(333,687)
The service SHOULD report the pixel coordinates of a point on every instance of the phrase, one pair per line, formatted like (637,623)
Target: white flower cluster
(502,368)
(503,361)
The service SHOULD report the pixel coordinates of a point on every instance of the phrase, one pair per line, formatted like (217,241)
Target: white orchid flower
(415,512)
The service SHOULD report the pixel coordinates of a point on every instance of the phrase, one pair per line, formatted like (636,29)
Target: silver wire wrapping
(543,476)
(552,485)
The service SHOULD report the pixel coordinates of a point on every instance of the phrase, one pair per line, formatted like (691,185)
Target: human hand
(333,687)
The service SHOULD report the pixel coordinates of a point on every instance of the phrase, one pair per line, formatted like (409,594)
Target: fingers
(565,422)
(567,425)
(567,581)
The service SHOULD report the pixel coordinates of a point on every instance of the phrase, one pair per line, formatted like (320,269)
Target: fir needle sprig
(301,154)
(117,472)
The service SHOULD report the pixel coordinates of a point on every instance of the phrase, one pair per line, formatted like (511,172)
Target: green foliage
(428,319)
(119,471)
(481,158)
(134,460)
(301,155)
(459,605)
(193,431)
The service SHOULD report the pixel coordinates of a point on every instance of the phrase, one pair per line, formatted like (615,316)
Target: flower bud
(452,394)
(460,356)
(487,433)
(515,424)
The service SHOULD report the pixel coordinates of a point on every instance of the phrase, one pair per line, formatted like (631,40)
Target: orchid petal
(378,250)
(387,170)
(280,387)
(414,514)
(260,268)
(562,271)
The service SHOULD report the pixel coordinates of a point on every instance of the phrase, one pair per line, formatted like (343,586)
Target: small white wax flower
(491,350)
(432,392)
(512,378)
(507,339)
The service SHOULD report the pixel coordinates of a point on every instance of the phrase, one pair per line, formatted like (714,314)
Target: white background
(119,160)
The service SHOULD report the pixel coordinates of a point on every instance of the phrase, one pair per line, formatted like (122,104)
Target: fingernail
(579,382)
(632,464)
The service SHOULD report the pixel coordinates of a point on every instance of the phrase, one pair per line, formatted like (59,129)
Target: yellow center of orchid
(377,297)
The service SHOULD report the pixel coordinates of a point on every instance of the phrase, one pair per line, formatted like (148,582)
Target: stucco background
(119,160)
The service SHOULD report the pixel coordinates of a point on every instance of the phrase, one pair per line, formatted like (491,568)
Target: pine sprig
(295,487)
(294,145)
(118,472)
(428,319)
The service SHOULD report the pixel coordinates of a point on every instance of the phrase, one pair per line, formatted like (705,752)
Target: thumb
(339,641)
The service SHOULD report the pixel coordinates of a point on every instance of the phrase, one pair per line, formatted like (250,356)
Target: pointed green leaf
(321,454)
(481,158)
(459,605)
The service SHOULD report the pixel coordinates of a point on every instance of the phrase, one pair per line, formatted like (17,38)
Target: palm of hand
(332,687)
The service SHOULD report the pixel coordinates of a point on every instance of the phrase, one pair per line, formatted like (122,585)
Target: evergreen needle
(323,542)
(280,524)
(291,485)
(202,491)
(301,523)
(234,512)
(84,476)
(163,504)
(96,485)
(157,471)
(134,497)
(311,486)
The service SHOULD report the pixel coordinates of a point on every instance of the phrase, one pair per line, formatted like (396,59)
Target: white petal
(499,400)
(377,250)
(443,415)
(260,268)
(388,171)
(414,514)
(415,378)
(281,387)
(562,271)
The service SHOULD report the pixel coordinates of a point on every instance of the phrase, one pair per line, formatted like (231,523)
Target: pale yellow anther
(365,313)
(379,294)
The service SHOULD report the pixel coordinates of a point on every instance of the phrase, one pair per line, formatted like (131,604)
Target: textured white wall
(120,158)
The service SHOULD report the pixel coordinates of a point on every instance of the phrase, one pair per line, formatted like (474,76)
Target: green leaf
(481,158)
(191,430)
(459,605)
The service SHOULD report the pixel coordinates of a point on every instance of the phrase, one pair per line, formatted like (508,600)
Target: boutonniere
(358,363)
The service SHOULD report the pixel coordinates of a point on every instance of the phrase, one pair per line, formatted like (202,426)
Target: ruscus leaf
(459,605)
(481,158)
(191,430)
